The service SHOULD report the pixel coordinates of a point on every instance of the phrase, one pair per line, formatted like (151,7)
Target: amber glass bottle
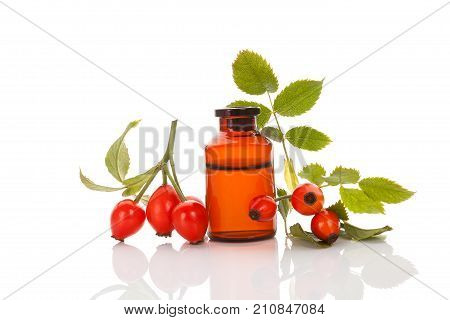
(239,167)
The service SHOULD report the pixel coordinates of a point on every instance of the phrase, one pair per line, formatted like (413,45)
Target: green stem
(288,196)
(162,163)
(283,143)
(149,181)
(283,140)
(174,183)
(168,156)
(325,185)
(174,172)
(164,178)
(285,228)
(171,142)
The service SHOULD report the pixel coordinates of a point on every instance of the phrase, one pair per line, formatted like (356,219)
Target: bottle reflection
(254,271)
(244,270)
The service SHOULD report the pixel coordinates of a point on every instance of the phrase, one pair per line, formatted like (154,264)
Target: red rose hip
(126,219)
(262,208)
(307,199)
(159,210)
(194,198)
(190,220)
(326,226)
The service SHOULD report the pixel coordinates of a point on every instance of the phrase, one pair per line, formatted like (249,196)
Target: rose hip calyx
(310,198)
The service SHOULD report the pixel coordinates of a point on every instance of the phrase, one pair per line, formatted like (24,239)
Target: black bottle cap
(239,111)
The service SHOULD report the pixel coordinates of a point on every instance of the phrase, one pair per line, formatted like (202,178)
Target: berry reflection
(254,270)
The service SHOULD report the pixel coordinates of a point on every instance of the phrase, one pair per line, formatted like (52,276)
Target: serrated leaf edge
(345,209)
(340,176)
(386,228)
(328,139)
(381,203)
(285,89)
(88,183)
(114,162)
(265,61)
(309,165)
(411,193)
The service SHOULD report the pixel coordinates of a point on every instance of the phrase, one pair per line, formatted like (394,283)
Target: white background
(387,116)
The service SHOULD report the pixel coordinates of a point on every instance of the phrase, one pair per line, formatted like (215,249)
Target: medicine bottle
(239,167)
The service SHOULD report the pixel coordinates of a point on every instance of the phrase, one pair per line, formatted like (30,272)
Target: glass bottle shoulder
(226,138)
(238,150)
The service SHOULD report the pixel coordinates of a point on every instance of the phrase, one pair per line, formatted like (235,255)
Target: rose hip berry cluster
(167,208)
(165,212)
(307,199)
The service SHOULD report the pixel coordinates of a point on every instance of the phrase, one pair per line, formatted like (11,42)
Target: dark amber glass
(239,167)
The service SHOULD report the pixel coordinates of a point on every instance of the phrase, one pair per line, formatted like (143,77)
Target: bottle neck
(238,124)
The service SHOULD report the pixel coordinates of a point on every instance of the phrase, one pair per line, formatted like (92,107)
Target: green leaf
(117,159)
(298,233)
(361,234)
(297,98)
(139,178)
(342,175)
(262,118)
(289,175)
(93,186)
(385,190)
(357,201)
(134,185)
(339,209)
(314,173)
(284,206)
(133,189)
(307,138)
(272,133)
(253,74)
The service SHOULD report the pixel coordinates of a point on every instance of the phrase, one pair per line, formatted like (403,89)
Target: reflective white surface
(255,270)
